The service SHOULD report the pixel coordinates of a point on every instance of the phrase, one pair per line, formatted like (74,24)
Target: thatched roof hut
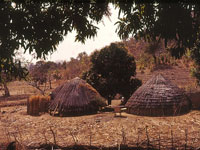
(158,97)
(76,97)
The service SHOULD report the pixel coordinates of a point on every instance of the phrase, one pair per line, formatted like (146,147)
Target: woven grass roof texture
(76,97)
(158,97)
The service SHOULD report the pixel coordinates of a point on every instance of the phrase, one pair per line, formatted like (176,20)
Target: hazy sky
(69,48)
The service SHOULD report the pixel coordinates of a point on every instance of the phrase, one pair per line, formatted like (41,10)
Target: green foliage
(112,71)
(169,21)
(195,54)
(11,69)
(16,70)
(38,27)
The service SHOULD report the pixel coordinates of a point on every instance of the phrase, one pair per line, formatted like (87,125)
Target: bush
(112,71)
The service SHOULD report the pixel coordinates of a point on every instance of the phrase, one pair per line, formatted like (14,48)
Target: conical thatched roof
(158,97)
(75,97)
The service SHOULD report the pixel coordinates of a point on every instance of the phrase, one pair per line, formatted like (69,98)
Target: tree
(19,72)
(152,48)
(112,71)
(40,26)
(195,53)
(173,22)
(41,73)
(76,66)
(169,21)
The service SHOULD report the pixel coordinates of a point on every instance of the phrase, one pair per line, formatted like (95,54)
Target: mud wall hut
(158,97)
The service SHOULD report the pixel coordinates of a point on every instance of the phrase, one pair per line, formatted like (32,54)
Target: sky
(69,48)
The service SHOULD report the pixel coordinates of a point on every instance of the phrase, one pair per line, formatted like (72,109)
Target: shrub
(98,103)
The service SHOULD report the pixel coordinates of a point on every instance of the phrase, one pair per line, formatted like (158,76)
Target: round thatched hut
(75,97)
(158,97)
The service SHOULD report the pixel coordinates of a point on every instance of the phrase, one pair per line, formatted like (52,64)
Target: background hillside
(46,78)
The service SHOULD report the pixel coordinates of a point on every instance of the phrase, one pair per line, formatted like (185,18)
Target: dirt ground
(103,129)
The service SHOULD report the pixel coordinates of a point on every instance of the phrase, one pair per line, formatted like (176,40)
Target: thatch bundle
(75,97)
(37,104)
(158,97)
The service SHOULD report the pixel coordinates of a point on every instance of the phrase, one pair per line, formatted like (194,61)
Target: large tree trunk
(6,90)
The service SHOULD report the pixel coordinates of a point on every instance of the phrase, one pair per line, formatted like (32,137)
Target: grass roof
(158,97)
(76,97)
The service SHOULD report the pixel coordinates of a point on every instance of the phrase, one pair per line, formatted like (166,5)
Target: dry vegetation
(103,129)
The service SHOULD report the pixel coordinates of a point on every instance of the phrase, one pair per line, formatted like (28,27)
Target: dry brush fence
(104,129)
(144,137)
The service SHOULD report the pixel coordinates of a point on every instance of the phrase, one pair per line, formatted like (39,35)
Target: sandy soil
(99,129)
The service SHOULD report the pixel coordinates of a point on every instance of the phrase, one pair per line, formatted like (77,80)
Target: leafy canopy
(40,26)
(169,21)
(112,71)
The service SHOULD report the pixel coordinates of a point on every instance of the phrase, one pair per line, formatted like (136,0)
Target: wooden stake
(148,142)
(186,138)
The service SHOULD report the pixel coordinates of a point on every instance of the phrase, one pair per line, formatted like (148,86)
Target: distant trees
(76,66)
(112,71)
(42,73)
(40,26)
(152,47)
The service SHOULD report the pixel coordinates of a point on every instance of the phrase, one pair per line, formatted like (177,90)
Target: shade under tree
(76,97)
(158,97)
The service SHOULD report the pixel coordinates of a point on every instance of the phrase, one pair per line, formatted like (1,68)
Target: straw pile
(37,104)
(158,97)
(76,97)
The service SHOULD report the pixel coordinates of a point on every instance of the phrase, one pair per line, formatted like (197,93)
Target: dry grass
(37,104)
(101,129)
